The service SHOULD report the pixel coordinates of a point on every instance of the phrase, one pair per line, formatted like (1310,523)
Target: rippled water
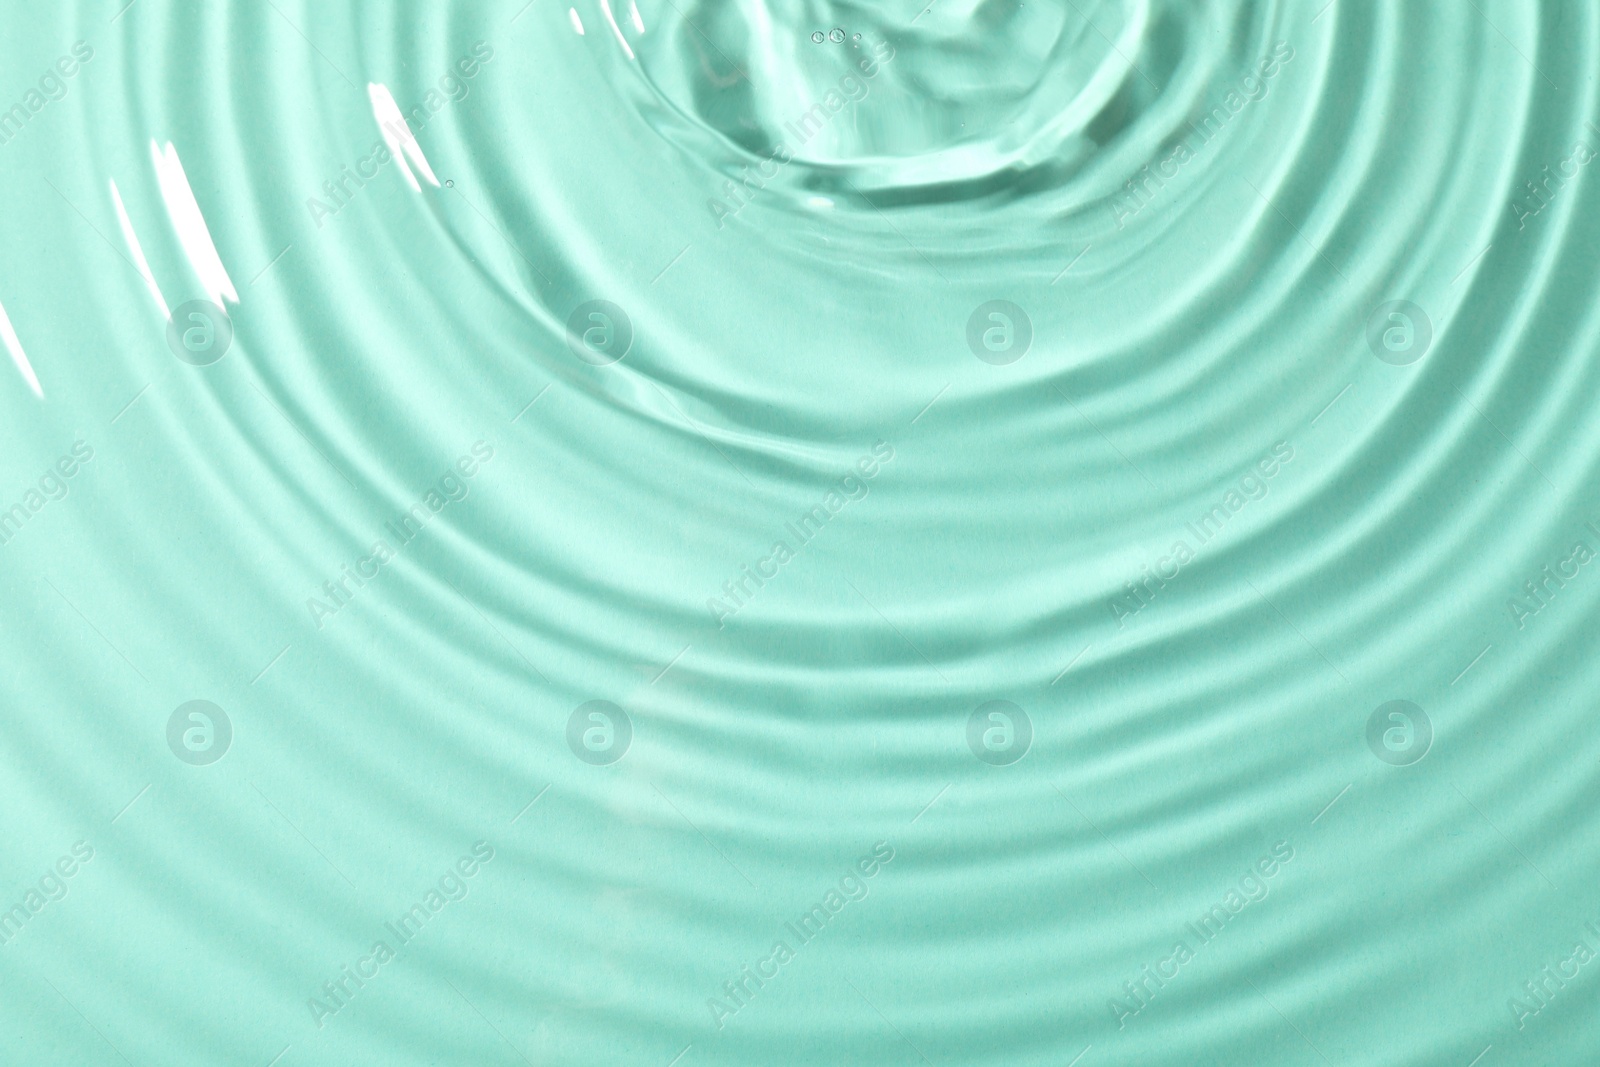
(811,532)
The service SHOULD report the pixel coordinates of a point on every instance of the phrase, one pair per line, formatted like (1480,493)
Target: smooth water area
(751,532)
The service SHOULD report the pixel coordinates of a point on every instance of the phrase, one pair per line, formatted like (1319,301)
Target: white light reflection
(184,211)
(132,240)
(397,135)
(18,356)
(605,8)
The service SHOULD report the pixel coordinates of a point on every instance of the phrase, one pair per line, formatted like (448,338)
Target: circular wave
(632,533)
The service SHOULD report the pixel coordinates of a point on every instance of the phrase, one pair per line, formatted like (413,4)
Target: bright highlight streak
(577,23)
(605,7)
(132,240)
(193,234)
(638,23)
(18,356)
(397,135)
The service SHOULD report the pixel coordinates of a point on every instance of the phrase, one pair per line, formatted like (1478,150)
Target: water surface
(811,532)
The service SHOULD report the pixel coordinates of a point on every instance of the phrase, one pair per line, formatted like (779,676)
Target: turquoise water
(815,533)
